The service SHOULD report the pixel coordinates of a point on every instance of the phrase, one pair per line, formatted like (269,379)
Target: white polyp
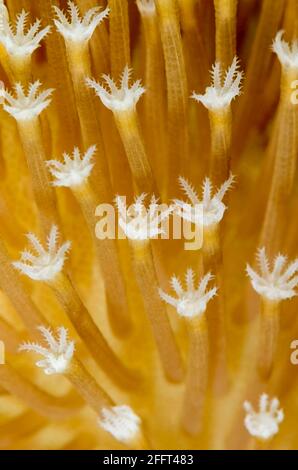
(76,28)
(19,39)
(75,169)
(139,222)
(121,422)
(192,301)
(222,91)
(22,106)
(274,284)
(286,53)
(58,352)
(263,424)
(47,262)
(206,211)
(118,98)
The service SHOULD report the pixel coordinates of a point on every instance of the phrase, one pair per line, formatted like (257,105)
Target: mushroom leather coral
(108,107)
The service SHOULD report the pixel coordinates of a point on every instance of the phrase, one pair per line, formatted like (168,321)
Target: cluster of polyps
(142,221)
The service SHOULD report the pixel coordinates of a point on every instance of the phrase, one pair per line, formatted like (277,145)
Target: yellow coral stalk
(154,96)
(36,398)
(273,286)
(217,99)
(133,392)
(77,32)
(13,288)
(285,150)
(46,266)
(176,85)
(122,102)
(58,358)
(26,108)
(140,225)
(225,16)
(147,281)
(191,304)
(119,36)
(74,173)
(257,69)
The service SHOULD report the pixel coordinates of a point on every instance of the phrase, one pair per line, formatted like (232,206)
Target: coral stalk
(64,106)
(194,51)
(21,68)
(206,213)
(77,33)
(130,132)
(122,100)
(87,387)
(176,85)
(140,225)
(285,149)
(57,353)
(155,116)
(191,304)
(258,69)
(26,108)
(269,332)
(220,126)
(147,281)
(47,405)
(119,36)
(109,262)
(30,134)
(74,173)
(225,27)
(12,286)
(79,66)
(273,285)
(197,376)
(217,99)
(99,44)
(217,319)
(46,266)
(90,333)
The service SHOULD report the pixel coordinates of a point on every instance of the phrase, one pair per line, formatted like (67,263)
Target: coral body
(161,137)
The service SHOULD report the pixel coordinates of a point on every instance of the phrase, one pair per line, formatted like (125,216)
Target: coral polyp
(142,138)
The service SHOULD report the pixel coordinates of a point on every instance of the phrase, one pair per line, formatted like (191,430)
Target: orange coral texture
(184,370)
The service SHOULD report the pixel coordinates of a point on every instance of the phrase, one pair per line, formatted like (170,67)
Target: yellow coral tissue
(148,226)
